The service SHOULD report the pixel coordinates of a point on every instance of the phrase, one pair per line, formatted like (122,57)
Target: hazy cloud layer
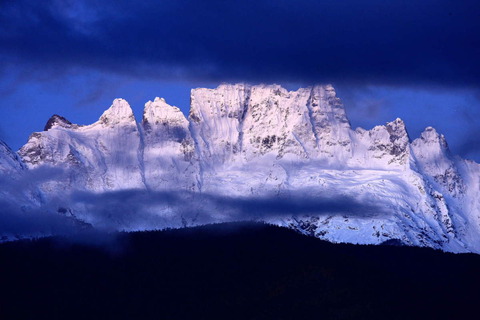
(396,42)
(30,221)
(23,211)
(131,209)
(146,210)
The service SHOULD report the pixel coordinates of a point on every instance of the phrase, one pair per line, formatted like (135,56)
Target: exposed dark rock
(57,120)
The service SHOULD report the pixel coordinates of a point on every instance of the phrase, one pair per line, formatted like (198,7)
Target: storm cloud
(379,42)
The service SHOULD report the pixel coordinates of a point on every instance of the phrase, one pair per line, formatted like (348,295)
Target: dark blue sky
(418,60)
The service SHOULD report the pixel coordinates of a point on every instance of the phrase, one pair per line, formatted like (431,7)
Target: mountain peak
(432,146)
(239,85)
(119,111)
(397,127)
(159,111)
(59,121)
(327,89)
(431,136)
(326,107)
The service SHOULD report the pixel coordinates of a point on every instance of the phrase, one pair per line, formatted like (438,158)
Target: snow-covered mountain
(257,152)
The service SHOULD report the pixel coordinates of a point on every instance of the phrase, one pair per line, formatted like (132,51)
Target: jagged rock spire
(120,111)
(159,111)
(431,137)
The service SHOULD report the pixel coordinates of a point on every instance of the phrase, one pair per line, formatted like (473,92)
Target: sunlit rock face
(245,122)
(261,152)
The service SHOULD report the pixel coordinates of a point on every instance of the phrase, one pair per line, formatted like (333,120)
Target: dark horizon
(235,271)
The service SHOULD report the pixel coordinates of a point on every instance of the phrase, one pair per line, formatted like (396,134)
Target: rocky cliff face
(244,144)
(169,159)
(245,122)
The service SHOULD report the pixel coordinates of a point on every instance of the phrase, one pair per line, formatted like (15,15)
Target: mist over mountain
(246,152)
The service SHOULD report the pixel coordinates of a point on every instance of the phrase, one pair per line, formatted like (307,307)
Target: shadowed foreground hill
(234,271)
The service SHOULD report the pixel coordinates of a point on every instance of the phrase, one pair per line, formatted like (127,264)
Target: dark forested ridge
(234,271)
